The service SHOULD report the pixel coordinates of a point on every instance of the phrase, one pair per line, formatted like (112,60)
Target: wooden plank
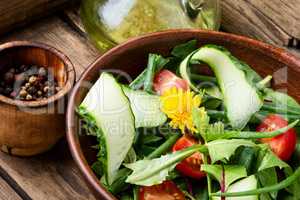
(6,192)
(276,22)
(18,12)
(53,175)
(49,176)
(58,34)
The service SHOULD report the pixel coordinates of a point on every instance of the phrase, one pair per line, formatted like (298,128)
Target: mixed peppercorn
(28,83)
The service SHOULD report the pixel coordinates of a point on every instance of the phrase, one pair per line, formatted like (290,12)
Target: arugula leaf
(155,64)
(131,156)
(232,172)
(280,98)
(268,177)
(246,156)
(294,188)
(223,149)
(210,132)
(155,171)
(281,185)
(183,50)
(268,159)
(201,121)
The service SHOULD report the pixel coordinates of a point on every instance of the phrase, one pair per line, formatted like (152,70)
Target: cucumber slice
(145,107)
(110,108)
(235,79)
(249,183)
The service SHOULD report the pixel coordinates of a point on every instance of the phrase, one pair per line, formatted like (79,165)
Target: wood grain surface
(19,12)
(6,192)
(276,21)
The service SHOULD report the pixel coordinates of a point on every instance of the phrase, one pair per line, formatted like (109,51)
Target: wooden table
(54,175)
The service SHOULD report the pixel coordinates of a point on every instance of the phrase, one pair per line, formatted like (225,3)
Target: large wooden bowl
(131,57)
(31,127)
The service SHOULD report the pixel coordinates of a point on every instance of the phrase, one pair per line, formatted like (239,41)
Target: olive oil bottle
(109,22)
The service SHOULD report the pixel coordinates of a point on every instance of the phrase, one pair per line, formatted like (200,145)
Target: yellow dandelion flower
(178,105)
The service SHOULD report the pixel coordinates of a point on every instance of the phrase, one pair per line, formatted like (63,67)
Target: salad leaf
(280,98)
(155,64)
(247,157)
(223,149)
(183,50)
(151,172)
(210,132)
(131,156)
(268,177)
(269,159)
(283,184)
(231,172)
(201,121)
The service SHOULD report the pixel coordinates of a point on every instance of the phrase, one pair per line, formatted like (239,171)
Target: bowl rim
(70,71)
(73,140)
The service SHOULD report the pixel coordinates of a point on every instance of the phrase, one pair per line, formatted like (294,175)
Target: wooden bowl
(31,127)
(131,57)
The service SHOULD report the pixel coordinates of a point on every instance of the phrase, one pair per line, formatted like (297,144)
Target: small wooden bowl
(31,127)
(131,57)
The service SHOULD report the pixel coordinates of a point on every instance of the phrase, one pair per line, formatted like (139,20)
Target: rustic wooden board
(6,192)
(18,12)
(276,22)
(53,175)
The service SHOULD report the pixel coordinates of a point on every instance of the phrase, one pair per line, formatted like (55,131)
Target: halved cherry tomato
(282,145)
(165,191)
(190,166)
(165,79)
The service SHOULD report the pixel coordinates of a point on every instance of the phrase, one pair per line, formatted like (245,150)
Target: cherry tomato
(190,166)
(282,145)
(165,79)
(165,191)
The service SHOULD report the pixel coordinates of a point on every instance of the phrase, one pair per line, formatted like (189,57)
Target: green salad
(197,124)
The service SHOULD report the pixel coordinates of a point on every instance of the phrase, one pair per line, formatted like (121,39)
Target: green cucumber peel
(236,80)
(281,185)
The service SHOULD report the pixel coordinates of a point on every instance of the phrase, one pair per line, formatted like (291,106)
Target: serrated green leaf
(281,98)
(224,149)
(268,177)
(201,121)
(269,159)
(131,156)
(232,172)
(155,171)
(183,50)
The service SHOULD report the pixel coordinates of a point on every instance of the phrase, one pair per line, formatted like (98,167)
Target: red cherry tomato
(282,145)
(165,191)
(165,79)
(190,166)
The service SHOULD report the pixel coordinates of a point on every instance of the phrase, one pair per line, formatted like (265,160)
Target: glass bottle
(109,22)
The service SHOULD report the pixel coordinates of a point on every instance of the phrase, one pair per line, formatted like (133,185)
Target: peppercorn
(32,79)
(40,93)
(28,97)
(23,93)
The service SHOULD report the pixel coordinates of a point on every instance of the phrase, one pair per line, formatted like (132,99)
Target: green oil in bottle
(109,22)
